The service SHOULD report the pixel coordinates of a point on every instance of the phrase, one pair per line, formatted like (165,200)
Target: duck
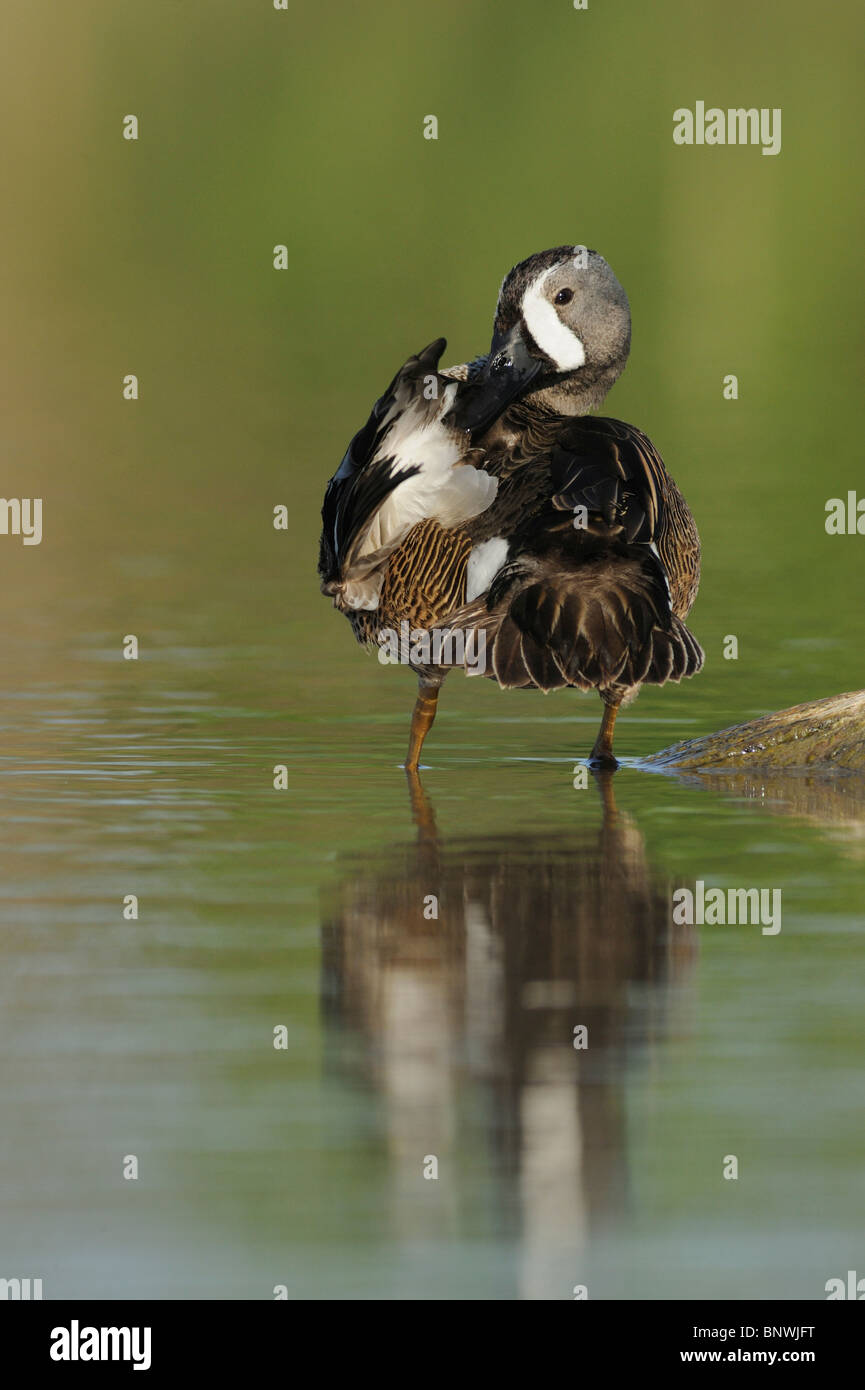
(487,505)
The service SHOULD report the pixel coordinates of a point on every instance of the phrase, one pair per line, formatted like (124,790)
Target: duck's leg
(421,721)
(602,753)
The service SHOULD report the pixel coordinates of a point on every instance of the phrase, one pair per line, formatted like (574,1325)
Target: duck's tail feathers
(605,625)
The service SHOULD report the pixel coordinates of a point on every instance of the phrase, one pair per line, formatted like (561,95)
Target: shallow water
(409,1037)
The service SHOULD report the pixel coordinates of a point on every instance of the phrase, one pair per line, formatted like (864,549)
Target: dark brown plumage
(599,604)
(602,559)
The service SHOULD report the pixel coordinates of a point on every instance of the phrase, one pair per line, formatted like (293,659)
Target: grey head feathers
(571,313)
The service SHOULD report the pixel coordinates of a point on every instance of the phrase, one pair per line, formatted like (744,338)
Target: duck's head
(561,336)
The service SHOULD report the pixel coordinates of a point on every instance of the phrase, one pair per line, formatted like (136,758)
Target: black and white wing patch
(403,467)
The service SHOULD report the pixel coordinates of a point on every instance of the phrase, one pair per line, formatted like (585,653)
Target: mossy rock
(821,734)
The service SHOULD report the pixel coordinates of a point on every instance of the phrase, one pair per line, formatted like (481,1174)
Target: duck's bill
(508,372)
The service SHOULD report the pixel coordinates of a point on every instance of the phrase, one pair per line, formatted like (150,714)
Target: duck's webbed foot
(603,762)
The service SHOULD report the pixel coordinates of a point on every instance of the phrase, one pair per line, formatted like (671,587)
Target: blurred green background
(305,127)
(261,127)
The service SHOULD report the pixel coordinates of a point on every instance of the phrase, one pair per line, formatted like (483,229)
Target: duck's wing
(613,471)
(585,597)
(367,475)
(404,466)
(616,473)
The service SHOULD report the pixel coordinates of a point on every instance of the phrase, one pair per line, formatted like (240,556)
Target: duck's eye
(564,296)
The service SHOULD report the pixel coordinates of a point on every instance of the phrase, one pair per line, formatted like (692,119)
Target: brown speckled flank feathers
(579,552)
(425,579)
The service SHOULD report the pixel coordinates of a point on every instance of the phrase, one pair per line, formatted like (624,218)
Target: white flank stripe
(484,563)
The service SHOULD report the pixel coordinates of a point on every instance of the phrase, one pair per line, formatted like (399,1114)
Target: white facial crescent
(552,336)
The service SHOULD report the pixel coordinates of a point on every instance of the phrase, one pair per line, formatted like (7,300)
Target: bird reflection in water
(462,1026)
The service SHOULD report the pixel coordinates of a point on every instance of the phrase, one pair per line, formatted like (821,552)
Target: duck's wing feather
(588,601)
(408,464)
(367,475)
(615,472)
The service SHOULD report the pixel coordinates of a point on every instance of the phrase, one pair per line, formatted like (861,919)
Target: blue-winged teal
(485,502)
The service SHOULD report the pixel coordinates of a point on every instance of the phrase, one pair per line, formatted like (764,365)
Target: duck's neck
(577,394)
